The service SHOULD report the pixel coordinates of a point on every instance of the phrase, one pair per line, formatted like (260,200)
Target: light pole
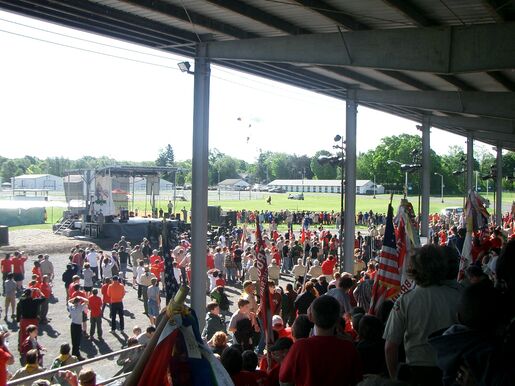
(219,184)
(374,186)
(391,161)
(338,160)
(441,185)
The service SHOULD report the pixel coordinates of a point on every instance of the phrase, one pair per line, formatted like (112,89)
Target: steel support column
(199,183)
(350,180)
(426,176)
(498,186)
(470,162)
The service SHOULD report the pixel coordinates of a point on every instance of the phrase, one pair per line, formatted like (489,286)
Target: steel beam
(487,125)
(350,179)
(426,176)
(486,104)
(200,182)
(443,50)
(498,188)
(470,162)
(508,141)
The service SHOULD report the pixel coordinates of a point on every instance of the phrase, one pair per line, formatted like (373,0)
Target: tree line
(404,148)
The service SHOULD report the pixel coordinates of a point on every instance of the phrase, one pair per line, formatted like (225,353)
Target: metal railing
(48,374)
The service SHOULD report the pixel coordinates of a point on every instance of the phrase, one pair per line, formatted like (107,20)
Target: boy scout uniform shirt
(419,313)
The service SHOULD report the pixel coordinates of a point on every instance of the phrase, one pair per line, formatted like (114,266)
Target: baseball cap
(276,319)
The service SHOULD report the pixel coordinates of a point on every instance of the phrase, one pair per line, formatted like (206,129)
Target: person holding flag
(264,310)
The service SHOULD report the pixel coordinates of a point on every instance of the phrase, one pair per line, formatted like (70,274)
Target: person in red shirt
(106,300)
(6,358)
(46,290)
(322,359)
(36,270)
(328,266)
(78,257)
(71,287)
(275,298)
(36,291)
(95,307)
(220,281)
(443,237)
(155,257)
(19,268)
(116,292)
(7,268)
(371,272)
(156,268)
(278,326)
(210,260)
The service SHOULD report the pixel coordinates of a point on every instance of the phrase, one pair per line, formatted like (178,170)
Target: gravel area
(36,241)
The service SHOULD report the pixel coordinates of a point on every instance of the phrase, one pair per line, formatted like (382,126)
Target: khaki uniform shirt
(419,313)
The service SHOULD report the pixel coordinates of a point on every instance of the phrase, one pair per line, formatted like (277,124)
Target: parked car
(451,210)
(296,196)
(276,190)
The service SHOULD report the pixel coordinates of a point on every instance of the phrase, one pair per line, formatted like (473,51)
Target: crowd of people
(436,334)
(439,333)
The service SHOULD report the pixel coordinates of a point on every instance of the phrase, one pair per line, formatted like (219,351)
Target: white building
(324,186)
(234,184)
(140,184)
(38,181)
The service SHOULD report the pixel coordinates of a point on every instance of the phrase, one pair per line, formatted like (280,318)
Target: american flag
(387,281)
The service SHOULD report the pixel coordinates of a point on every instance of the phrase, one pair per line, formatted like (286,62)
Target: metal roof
(462,51)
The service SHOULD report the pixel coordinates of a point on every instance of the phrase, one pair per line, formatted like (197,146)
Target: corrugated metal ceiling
(166,23)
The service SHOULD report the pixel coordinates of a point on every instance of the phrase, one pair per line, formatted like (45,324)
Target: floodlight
(324,159)
(185,67)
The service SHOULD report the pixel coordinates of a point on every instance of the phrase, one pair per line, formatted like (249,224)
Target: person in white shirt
(92,259)
(107,268)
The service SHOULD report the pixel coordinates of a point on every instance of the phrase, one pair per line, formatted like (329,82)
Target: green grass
(33,226)
(311,202)
(314,202)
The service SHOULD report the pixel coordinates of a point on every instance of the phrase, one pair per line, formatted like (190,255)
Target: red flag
(387,281)
(157,369)
(264,293)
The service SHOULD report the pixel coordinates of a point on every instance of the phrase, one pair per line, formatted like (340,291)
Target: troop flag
(407,240)
(177,355)
(476,218)
(264,293)
(387,280)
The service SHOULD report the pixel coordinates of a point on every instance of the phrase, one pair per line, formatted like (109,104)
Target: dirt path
(36,241)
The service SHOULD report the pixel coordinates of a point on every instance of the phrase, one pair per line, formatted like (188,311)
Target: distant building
(324,186)
(234,184)
(140,183)
(38,181)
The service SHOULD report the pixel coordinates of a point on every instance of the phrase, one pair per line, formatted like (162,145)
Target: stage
(134,229)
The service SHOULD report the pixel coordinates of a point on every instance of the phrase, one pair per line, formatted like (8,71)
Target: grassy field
(316,202)
(280,201)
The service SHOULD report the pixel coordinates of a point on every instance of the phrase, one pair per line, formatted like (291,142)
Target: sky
(67,93)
